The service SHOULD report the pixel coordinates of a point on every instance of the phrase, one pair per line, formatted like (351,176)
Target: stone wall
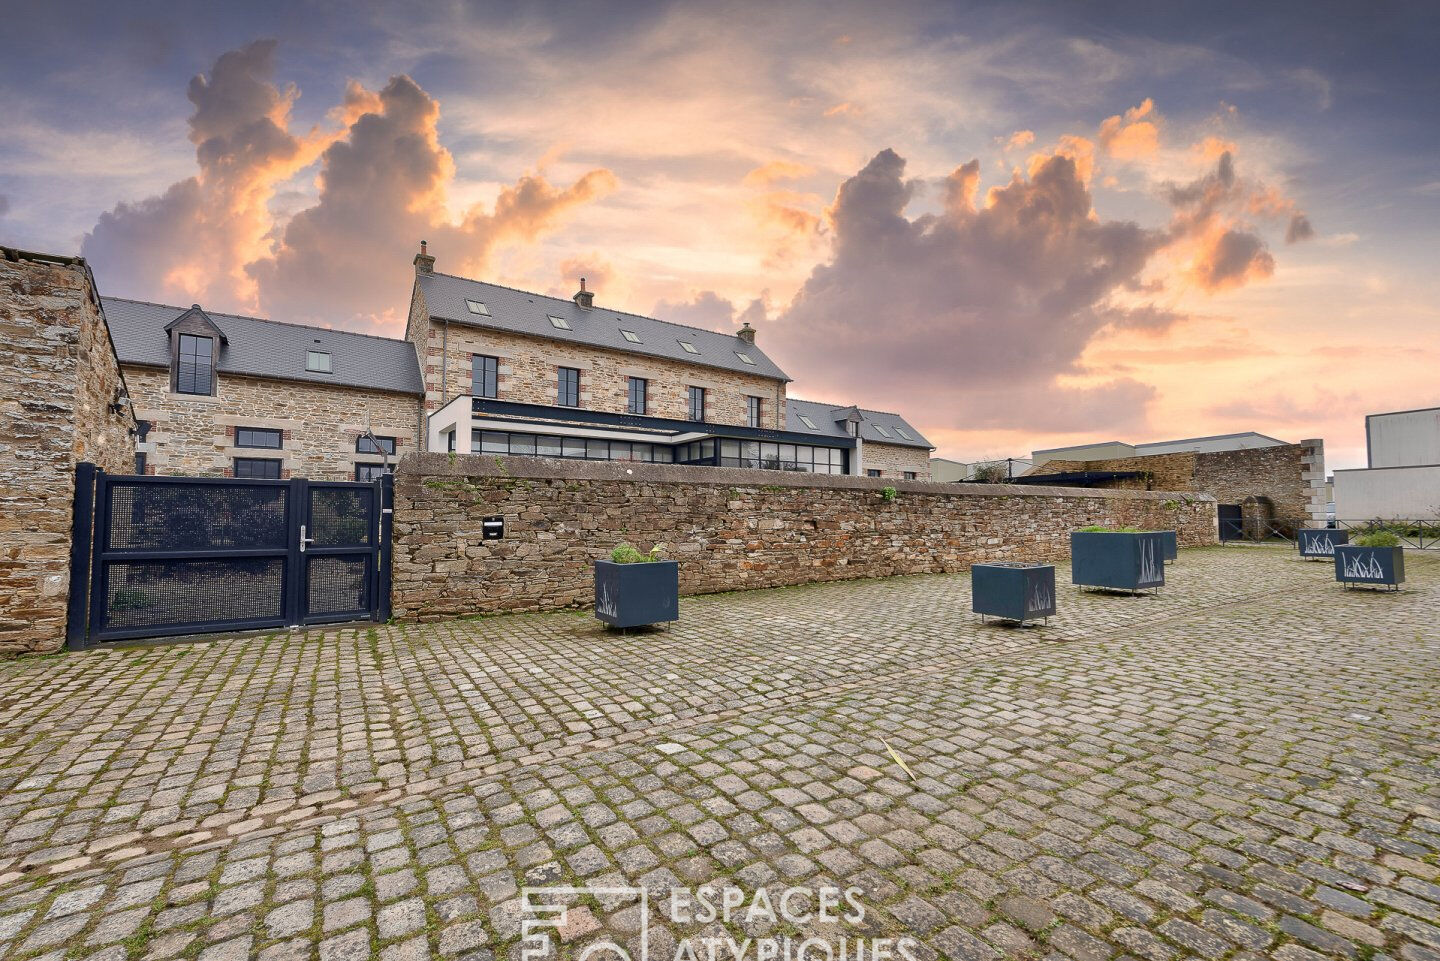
(58,378)
(1292,476)
(730,529)
(893,460)
(195,434)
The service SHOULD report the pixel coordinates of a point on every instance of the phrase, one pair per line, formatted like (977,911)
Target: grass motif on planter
(1376,559)
(1320,543)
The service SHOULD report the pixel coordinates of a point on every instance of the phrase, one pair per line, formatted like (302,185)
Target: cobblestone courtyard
(1246,765)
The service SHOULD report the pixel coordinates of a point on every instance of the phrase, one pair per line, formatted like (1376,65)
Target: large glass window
(697,403)
(257,467)
(258,437)
(635,403)
(194,372)
(569,390)
(485,376)
(754,411)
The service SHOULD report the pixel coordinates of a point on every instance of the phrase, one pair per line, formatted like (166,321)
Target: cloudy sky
(1019,224)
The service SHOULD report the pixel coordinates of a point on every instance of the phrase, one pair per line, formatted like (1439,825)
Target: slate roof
(268,348)
(522,312)
(824,417)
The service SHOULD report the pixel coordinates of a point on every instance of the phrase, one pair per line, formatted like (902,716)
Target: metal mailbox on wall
(492,528)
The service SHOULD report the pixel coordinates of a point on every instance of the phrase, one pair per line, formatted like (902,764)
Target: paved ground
(1247,765)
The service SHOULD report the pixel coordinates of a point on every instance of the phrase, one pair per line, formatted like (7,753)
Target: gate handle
(304,540)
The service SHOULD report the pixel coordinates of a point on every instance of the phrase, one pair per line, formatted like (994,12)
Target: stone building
(504,371)
(62,401)
(516,373)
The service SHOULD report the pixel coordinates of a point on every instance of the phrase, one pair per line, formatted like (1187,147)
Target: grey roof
(521,312)
(269,348)
(827,419)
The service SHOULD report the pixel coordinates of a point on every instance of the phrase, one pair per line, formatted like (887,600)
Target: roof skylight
(808,422)
(477,308)
(631,336)
(745,359)
(689,347)
(901,432)
(318,361)
(880,429)
(559,322)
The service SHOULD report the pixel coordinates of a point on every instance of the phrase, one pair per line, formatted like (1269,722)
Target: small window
(754,411)
(872,473)
(369,472)
(909,475)
(559,322)
(745,359)
(485,376)
(195,367)
(478,308)
(258,437)
(636,391)
(568,394)
(631,336)
(697,403)
(901,432)
(318,361)
(880,429)
(364,444)
(808,422)
(257,468)
(689,347)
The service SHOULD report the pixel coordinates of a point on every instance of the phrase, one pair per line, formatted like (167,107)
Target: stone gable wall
(1170,472)
(528,375)
(195,435)
(58,377)
(730,529)
(893,460)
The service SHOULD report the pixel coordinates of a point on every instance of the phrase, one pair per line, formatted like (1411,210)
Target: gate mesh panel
(160,593)
(165,517)
(340,517)
(338,584)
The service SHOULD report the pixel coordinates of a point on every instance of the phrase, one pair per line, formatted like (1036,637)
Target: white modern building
(1402,479)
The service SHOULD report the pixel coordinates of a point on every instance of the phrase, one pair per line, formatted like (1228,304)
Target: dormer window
(195,365)
(477,308)
(689,347)
(559,322)
(318,361)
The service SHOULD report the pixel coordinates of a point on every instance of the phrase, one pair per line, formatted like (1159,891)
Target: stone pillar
(1312,472)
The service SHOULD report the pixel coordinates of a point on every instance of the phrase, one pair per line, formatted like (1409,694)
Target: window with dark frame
(267,437)
(909,475)
(485,376)
(755,411)
(697,403)
(195,365)
(366,473)
(257,468)
(568,394)
(379,445)
(871,472)
(636,388)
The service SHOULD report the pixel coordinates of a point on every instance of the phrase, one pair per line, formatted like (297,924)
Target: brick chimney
(424,263)
(584,299)
(746,333)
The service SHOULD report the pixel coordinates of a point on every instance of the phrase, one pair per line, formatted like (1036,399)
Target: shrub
(990,474)
(888,494)
(1377,539)
(1102,529)
(626,554)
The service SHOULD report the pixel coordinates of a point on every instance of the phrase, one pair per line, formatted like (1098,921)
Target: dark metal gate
(1232,523)
(188,555)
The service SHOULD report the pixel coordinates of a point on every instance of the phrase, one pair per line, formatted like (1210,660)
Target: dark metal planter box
(1016,592)
(1170,540)
(1321,543)
(1381,566)
(1120,562)
(629,595)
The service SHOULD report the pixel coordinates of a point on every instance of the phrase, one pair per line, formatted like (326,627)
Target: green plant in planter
(626,554)
(1102,529)
(888,494)
(1377,539)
